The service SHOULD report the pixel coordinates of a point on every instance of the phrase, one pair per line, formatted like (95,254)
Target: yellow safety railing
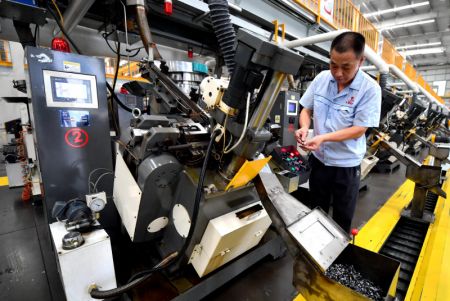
(391,56)
(347,16)
(130,69)
(410,72)
(5,55)
(388,52)
(310,5)
(399,61)
(421,81)
(369,31)
(124,72)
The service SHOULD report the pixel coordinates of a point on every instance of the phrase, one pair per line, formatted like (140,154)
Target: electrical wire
(244,130)
(59,12)
(99,178)
(36,28)
(116,72)
(105,37)
(144,275)
(224,134)
(128,150)
(93,172)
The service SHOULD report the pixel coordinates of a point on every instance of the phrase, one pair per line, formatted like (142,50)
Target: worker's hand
(301,135)
(313,144)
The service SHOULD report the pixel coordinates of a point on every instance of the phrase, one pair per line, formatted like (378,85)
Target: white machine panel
(127,195)
(321,238)
(229,236)
(14,171)
(90,263)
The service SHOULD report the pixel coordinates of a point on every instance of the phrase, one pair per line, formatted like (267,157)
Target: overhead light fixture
(391,10)
(406,24)
(423,51)
(418,45)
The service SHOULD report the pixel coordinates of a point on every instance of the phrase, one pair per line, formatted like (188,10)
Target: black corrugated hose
(383,80)
(221,21)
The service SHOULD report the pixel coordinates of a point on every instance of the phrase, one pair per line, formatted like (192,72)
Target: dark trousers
(339,185)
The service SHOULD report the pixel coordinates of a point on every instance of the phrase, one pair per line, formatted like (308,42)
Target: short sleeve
(368,109)
(307,100)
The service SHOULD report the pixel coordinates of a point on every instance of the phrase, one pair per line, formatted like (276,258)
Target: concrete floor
(28,270)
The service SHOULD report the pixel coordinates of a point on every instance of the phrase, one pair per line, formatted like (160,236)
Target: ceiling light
(406,24)
(423,51)
(391,10)
(418,45)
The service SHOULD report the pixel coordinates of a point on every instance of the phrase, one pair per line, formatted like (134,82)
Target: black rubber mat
(14,214)
(27,263)
(22,272)
(405,243)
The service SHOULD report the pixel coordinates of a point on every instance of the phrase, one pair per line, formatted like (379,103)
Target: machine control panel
(292,107)
(285,113)
(70,90)
(288,158)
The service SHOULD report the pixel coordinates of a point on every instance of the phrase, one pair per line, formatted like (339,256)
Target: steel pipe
(318,38)
(260,115)
(368,68)
(375,59)
(397,72)
(76,10)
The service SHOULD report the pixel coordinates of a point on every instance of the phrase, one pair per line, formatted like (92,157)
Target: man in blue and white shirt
(344,102)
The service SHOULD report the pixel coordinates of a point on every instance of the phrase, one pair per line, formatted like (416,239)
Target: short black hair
(349,41)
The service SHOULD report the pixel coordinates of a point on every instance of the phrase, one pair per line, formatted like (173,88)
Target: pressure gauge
(97,201)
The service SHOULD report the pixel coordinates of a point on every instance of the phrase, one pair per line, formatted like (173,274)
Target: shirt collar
(356,83)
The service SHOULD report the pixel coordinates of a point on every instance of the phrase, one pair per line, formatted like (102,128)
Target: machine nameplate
(72,118)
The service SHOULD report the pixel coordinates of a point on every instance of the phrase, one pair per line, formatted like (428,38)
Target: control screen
(71,90)
(292,108)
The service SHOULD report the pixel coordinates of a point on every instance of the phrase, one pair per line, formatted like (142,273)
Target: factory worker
(342,103)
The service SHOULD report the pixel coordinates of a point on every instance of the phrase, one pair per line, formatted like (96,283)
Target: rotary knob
(72,240)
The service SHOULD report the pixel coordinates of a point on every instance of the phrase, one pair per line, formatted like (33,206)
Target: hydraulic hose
(383,80)
(145,33)
(144,275)
(220,18)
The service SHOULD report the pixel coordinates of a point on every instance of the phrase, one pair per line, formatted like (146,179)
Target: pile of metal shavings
(347,275)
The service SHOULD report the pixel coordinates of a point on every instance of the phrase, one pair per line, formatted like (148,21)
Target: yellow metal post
(318,12)
(275,30)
